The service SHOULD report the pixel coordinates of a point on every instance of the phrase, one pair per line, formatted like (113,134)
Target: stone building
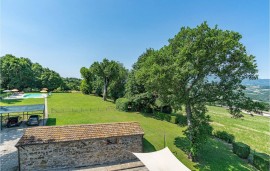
(56,147)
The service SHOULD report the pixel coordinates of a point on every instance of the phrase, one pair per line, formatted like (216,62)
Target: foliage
(85,88)
(199,131)
(86,84)
(241,149)
(143,102)
(51,79)
(229,138)
(97,84)
(116,88)
(122,104)
(178,74)
(15,72)
(107,76)
(21,73)
(162,116)
(261,161)
(181,120)
(107,71)
(72,83)
(132,87)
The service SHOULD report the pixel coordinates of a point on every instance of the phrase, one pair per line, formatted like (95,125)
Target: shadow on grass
(10,101)
(51,121)
(147,146)
(215,155)
(183,143)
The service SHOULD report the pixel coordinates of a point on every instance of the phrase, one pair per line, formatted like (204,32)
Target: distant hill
(259,82)
(258,89)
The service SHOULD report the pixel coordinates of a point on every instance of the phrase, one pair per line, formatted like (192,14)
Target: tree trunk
(105,89)
(189,123)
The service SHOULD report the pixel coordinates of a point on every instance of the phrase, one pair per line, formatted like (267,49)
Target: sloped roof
(50,134)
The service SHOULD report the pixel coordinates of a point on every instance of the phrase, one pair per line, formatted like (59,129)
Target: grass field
(251,130)
(75,108)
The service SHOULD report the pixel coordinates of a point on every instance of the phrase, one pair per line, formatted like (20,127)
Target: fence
(80,110)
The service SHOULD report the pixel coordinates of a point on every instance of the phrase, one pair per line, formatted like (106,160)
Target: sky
(65,35)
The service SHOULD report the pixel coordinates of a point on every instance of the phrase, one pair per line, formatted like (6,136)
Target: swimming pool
(33,95)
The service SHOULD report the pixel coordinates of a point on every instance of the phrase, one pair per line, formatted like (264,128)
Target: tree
(116,88)
(72,83)
(132,87)
(37,71)
(16,72)
(179,73)
(86,84)
(107,71)
(51,79)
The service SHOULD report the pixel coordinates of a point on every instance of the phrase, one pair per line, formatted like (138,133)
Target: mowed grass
(251,130)
(76,108)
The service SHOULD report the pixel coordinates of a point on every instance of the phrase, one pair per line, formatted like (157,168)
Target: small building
(73,146)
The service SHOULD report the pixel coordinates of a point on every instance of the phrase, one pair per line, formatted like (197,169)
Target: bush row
(260,160)
(240,149)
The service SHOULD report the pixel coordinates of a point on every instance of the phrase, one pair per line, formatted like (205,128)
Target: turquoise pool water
(33,95)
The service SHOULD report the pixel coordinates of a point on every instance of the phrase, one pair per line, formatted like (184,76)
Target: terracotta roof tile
(48,134)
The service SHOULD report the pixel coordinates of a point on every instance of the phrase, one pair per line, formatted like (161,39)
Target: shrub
(241,149)
(143,102)
(181,120)
(159,115)
(166,109)
(147,109)
(173,119)
(229,138)
(167,117)
(122,104)
(261,161)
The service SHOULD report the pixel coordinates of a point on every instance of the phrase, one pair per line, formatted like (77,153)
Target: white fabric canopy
(162,160)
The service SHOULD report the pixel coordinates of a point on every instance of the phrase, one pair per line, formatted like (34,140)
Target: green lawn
(75,108)
(251,130)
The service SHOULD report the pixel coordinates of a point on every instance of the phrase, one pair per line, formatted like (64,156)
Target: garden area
(76,108)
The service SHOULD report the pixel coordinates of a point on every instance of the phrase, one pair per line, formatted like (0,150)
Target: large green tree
(108,71)
(180,73)
(116,88)
(51,79)
(15,72)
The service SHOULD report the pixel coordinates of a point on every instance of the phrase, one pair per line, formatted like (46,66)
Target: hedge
(261,161)
(241,149)
(229,138)
(122,104)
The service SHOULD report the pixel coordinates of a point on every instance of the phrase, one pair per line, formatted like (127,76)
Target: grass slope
(75,108)
(251,130)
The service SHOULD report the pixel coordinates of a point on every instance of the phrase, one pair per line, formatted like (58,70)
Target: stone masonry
(78,146)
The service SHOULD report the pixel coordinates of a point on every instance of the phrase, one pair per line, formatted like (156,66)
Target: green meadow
(76,108)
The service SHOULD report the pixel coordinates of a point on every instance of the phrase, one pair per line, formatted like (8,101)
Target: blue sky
(66,35)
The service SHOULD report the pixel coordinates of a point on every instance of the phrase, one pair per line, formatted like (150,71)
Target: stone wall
(79,153)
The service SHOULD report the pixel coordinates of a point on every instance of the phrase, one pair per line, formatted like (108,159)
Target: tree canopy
(180,73)
(22,74)
(107,76)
